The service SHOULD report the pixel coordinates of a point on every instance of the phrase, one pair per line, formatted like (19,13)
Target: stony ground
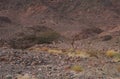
(43,65)
(84,24)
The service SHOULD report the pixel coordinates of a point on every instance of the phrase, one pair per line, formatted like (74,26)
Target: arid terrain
(60,39)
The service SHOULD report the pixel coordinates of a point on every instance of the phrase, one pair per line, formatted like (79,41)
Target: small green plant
(36,35)
(116,57)
(76,68)
(47,37)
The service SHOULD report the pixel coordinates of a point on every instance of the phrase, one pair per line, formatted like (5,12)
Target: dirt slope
(67,17)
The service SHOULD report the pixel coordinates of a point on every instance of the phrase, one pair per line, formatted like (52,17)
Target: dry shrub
(111,53)
(116,57)
(76,68)
(77,53)
(55,51)
(94,53)
(26,76)
(118,68)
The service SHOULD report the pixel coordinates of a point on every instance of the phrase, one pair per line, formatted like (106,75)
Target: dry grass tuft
(76,68)
(26,76)
(55,51)
(111,53)
(118,68)
(94,53)
(78,53)
(116,58)
(114,55)
(35,48)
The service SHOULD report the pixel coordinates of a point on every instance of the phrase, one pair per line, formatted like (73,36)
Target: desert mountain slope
(67,17)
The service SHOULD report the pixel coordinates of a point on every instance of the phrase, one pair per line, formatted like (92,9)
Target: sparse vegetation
(78,53)
(111,53)
(76,68)
(118,68)
(94,53)
(74,38)
(84,34)
(55,51)
(59,39)
(47,37)
(116,57)
(26,76)
(36,35)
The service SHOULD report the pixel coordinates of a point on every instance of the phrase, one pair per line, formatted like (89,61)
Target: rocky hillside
(68,17)
(59,39)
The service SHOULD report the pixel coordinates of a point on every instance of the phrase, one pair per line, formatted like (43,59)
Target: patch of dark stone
(5,19)
(106,38)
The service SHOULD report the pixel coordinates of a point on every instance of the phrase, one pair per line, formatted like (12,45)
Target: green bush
(32,36)
(47,37)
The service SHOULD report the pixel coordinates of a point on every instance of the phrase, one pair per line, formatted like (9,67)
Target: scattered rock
(9,77)
(4,19)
